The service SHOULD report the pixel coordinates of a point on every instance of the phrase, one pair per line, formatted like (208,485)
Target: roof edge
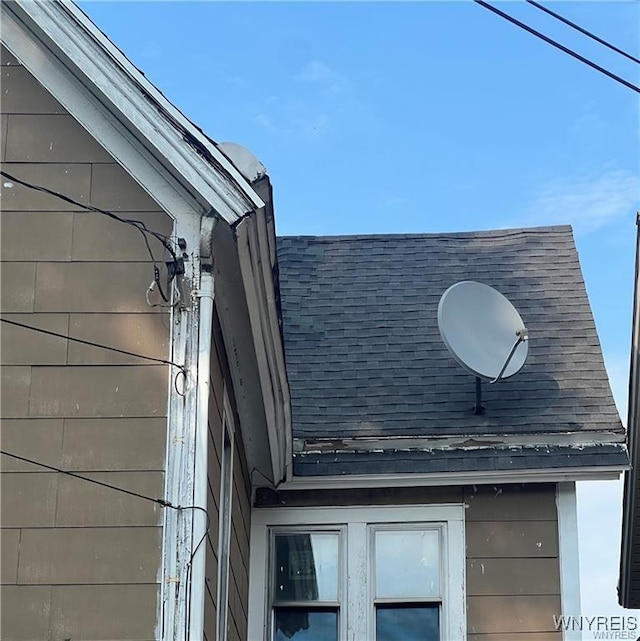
(436,479)
(577,439)
(84,61)
(630,512)
(487,233)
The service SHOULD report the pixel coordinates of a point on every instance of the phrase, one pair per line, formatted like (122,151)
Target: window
(383,573)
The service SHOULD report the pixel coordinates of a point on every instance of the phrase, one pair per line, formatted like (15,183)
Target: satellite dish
(246,163)
(482,330)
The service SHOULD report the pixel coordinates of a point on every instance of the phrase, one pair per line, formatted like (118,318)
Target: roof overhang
(629,584)
(245,267)
(352,481)
(256,242)
(162,150)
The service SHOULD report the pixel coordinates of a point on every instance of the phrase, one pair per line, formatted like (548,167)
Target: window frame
(339,605)
(357,569)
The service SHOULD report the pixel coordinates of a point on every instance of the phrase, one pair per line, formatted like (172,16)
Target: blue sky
(380,117)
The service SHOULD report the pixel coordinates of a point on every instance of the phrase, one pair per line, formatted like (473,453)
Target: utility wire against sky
(562,48)
(587,33)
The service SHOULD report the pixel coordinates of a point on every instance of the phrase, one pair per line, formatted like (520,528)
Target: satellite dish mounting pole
(478,408)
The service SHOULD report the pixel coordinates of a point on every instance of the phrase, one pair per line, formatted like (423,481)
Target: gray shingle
(365,358)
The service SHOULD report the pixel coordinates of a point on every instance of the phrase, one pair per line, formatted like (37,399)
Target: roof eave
(546,475)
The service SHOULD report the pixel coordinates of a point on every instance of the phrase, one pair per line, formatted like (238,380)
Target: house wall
(513,571)
(79,561)
(224,416)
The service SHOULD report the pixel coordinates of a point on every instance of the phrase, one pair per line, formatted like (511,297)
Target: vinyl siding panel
(79,560)
(513,569)
(236,606)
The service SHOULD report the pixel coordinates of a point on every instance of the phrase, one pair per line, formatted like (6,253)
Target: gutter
(434,479)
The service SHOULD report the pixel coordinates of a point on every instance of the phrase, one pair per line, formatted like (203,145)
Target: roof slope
(365,358)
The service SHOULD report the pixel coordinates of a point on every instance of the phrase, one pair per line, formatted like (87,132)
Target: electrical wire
(25,459)
(92,344)
(116,488)
(188,567)
(577,27)
(137,224)
(562,48)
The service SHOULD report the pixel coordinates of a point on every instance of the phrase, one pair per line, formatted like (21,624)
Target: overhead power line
(91,343)
(562,48)
(136,224)
(577,27)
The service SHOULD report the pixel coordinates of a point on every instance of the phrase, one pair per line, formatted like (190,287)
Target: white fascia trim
(347,481)
(107,85)
(569,556)
(250,255)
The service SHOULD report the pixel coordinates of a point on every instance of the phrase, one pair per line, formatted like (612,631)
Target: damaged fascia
(461,442)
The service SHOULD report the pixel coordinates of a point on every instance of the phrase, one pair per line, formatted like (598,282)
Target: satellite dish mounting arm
(523,335)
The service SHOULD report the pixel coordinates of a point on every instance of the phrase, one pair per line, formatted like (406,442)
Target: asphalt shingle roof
(365,358)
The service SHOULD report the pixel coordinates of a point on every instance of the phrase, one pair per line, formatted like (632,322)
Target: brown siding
(79,560)
(214,462)
(387,496)
(238,587)
(513,572)
(239,549)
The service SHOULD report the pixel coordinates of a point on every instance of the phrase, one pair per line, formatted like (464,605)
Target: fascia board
(577,439)
(251,255)
(629,513)
(112,82)
(352,481)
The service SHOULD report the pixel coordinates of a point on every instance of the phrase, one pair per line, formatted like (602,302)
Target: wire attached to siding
(92,344)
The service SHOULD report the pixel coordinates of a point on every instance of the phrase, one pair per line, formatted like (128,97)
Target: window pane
(306,567)
(407,623)
(407,563)
(306,625)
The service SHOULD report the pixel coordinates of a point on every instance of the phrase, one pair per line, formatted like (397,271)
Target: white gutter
(433,479)
(200,481)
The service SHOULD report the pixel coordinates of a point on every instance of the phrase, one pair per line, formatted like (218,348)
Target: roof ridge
(488,233)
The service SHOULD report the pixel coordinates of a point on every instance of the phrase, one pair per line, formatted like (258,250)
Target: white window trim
(360,604)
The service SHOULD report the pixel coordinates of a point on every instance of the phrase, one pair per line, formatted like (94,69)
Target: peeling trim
(464,442)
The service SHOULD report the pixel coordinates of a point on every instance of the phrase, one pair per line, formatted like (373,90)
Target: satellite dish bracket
(523,335)
(478,408)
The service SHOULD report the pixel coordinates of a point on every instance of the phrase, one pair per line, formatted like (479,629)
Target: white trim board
(348,481)
(569,556)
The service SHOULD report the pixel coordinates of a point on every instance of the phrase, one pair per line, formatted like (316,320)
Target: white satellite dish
(482,330)
(246,163)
